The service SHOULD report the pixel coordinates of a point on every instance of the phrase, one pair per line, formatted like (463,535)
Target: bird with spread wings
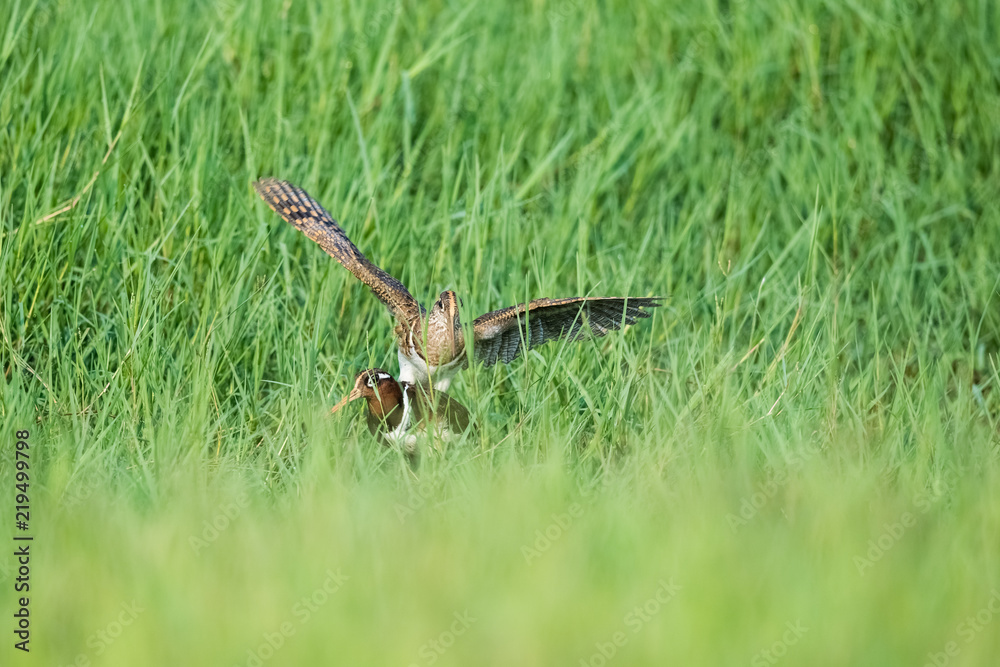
(432,344)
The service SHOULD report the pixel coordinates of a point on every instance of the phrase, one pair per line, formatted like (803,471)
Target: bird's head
(447,305)
(378,388)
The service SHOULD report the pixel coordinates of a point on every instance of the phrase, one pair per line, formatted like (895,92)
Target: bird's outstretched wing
(500,335)
(305,214)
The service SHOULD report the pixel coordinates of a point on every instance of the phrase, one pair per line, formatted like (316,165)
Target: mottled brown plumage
(305,214)
(432,345)
(500,335)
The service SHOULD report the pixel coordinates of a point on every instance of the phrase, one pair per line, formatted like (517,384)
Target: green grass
(805,436)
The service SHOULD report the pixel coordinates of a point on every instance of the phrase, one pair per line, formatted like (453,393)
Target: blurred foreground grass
(540,570)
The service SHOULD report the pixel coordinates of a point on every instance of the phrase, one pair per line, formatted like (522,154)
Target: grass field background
(795,461)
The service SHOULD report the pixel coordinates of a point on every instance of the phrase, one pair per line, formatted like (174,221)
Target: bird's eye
(371,381)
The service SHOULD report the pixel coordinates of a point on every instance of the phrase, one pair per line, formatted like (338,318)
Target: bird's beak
(355,393)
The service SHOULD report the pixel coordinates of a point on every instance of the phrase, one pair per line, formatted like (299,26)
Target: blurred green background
(795,461)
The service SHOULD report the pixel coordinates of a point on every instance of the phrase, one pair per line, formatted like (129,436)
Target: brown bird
(397,412)
(432,345)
